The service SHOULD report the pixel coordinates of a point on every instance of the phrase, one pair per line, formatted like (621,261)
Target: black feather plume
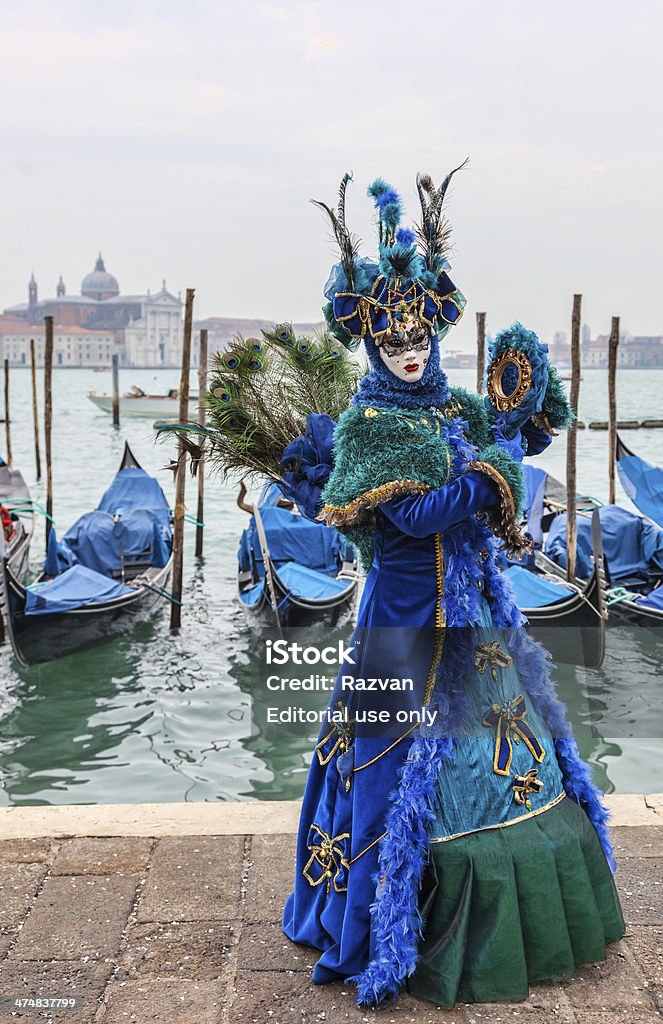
(348,244)
(434,231)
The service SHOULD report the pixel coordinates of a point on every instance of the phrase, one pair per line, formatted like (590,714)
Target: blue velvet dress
(386,809)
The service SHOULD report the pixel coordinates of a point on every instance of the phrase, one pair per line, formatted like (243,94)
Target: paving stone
(640,885)
(19,884)
(166,1001)
(194,879)
(618,1017)
(270,878)
(278,997)
(546,1004)
(6,939)
(616,983)
(196,950)
(54,980)
(646,945)
(645,841)
(93,856)
(77,916)
(30,851)
(264,947)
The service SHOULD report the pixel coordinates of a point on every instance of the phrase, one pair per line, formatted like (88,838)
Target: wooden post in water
(202,388)
(613,346)
(35,407)
(116,389)
(8,426)
(481,350)
(48,420)
(180,478)
(572,437)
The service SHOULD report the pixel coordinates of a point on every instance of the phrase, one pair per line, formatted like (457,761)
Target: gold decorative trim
(356,510)
(328,856)
(501,824)
(499,398)
(506,526)
(367,764)
(440,628)
(366,849)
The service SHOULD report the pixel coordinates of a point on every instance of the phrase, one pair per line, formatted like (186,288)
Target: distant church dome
(99,284)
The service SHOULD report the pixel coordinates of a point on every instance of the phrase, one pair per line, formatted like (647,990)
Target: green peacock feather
(259,396)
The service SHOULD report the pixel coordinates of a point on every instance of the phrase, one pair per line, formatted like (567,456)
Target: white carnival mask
(406,354)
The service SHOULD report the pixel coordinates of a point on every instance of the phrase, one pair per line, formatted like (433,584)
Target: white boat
(136,402)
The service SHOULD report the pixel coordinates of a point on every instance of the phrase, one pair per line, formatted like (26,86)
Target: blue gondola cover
(633,546)
(74,588)
(292,538)
(643,484)
(534,591)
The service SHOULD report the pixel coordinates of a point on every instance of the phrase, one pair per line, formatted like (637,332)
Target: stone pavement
(184,929)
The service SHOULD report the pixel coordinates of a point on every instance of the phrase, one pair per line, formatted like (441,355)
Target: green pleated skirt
(506,907)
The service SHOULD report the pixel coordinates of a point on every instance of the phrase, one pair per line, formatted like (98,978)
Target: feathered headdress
(368,298)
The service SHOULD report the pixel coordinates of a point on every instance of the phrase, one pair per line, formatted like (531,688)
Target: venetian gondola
(569,619)
(108,573)
(291,571)
(17,518)
(633,563)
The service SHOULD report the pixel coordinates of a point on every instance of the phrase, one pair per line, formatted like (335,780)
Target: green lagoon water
(158,718)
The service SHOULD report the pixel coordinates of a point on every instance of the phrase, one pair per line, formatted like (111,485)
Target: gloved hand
(513,446)
(537,439)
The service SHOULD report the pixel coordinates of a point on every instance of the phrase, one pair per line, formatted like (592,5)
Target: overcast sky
(184,141)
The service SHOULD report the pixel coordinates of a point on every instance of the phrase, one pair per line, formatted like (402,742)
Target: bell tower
(32,293)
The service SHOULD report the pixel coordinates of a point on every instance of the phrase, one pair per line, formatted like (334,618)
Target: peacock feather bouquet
(260,394)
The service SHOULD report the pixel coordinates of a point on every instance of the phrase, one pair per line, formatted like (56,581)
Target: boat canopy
(130,528)
(633,546)
(293,539)
(107,544)
(643,484)
(74,588)
(535,480)
(533,591)
(652,600)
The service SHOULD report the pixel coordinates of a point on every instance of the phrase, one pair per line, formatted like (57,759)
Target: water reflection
(160,718)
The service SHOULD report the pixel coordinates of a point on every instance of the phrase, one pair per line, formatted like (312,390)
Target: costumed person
(463,858)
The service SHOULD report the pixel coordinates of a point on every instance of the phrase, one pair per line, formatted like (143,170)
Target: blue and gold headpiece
(368,299)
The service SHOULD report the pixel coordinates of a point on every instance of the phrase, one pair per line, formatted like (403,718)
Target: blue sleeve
(425,514)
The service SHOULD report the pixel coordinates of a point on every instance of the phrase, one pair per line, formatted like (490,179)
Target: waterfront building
(144,330)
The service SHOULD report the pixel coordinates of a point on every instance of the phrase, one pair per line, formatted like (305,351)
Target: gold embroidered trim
(506,526)
(366,849)
(440,629)
(328,856)
(356,510)
(501,824)
(391,746)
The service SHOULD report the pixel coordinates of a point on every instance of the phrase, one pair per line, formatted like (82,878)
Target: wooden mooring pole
(481,350)
(116,389)
(48,420)
(202,389)
(571,449)
(613,346)
(35,407)
(8,425)
(180,478)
